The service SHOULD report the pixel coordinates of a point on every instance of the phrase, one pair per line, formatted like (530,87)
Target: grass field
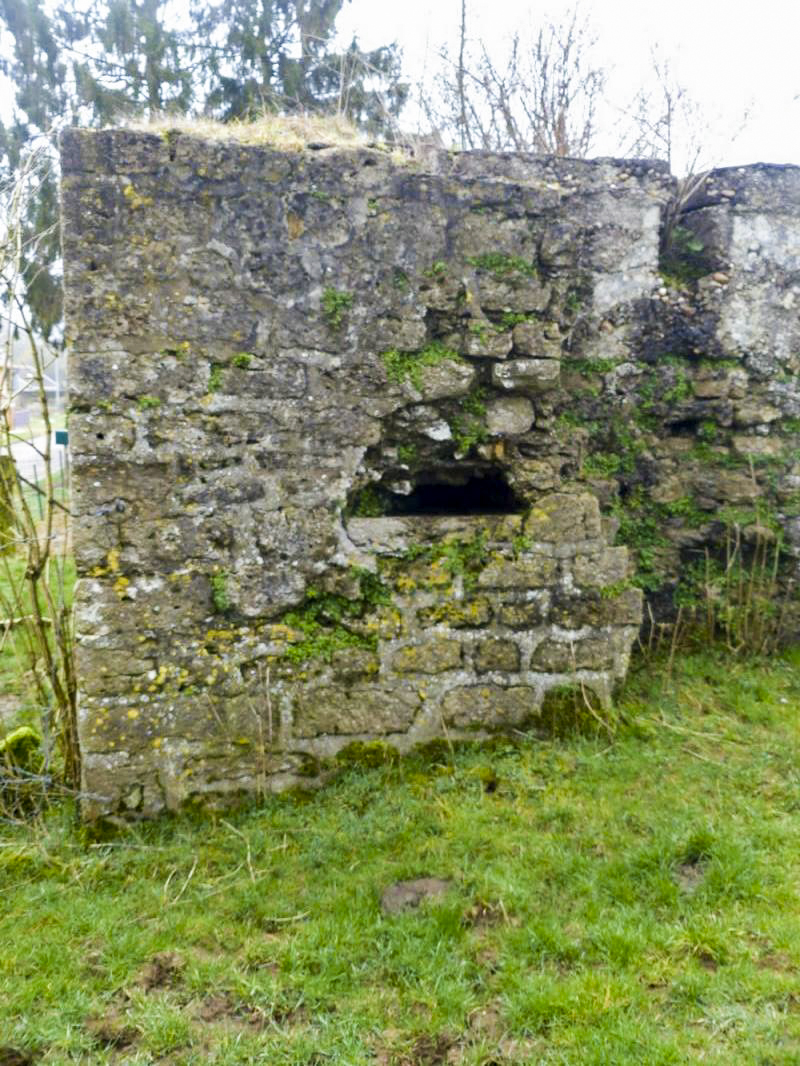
(625,901)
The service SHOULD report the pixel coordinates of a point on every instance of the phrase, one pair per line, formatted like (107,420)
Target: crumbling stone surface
(360,444)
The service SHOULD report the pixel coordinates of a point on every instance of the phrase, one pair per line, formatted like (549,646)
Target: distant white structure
(18,389)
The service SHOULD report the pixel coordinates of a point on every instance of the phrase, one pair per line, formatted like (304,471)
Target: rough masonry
(368,447)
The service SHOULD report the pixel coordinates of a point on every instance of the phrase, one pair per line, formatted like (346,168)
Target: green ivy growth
(335,303)
(590,366)
(219,592)
(437,269)
(469,427)
(681,261)
(642,522)
(501,266)
(215,378)
(407,454)
(323,619)
(408,366)
(641,528)
(178,351)
(510,319)
(369,502)
(147,403)
(242,360)
(601,465)
(400,280)
(457,557)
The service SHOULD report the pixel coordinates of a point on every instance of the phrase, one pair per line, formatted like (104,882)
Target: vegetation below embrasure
(611,902)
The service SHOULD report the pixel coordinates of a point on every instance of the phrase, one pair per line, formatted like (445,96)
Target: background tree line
(96,63)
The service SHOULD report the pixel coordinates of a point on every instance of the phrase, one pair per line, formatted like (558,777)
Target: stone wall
(358,441)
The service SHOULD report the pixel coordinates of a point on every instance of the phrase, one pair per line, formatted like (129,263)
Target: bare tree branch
(540,96)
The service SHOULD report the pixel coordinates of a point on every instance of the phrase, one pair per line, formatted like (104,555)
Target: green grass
(619,902)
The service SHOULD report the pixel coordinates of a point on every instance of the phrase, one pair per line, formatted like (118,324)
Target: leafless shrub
(541,96)
(35,563)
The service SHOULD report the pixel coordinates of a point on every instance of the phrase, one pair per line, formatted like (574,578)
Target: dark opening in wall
(485,492)
(441,493)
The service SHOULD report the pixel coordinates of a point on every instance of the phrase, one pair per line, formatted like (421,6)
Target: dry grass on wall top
(289,132)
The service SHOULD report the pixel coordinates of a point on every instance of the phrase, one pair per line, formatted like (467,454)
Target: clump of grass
(740,600)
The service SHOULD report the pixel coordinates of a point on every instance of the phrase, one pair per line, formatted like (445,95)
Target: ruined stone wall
(358,442)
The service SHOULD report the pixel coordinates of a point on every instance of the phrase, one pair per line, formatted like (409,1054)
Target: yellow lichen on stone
(121,587)
(135,199)
(295,225)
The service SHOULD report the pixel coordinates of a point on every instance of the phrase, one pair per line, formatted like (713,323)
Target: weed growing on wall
(220,596)
(329,622)
(410,366)
(335,304)
(454,557)
(469,427)
(502,266)
(215,378)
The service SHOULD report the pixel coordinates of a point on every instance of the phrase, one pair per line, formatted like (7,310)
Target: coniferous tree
(96,63)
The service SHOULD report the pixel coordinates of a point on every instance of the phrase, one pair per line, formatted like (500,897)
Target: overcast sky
(736,60)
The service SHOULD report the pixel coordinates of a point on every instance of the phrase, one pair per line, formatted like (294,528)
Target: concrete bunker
(325,388)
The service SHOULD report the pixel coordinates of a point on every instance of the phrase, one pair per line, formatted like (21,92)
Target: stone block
(489,706)
(759,447)
(433,657)
(364,709)
(536,375)
(623,609)
(493,654)
(539,339)
(471,613)
(487,342)
(349,663)
(563,657)
(531,572)
(525,615)
(603,570)
(509,416)
(564,517)
(446,379)
(524,294)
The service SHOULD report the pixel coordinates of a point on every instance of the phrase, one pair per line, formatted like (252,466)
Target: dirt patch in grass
(484,915)
(224,1009)
(689,875)
(11,1056)
(777,961)
(111,1030)
(406,895)
(161,971)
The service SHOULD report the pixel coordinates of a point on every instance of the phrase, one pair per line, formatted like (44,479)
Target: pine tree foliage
(96,62)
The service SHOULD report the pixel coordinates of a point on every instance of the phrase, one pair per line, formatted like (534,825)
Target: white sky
(734,58)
